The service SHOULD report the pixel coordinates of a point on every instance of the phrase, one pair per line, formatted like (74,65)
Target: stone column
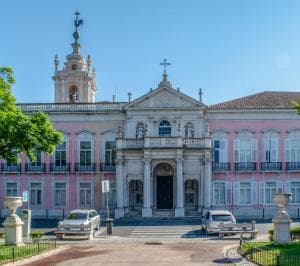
(201,187)
(179,210)
(207,182)
(119,211)
(147,210)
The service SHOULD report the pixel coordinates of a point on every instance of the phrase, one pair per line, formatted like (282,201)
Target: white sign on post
(105,186)
(25,196)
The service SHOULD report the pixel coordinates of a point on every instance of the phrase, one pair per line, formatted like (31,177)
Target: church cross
(77,22)
(165,64)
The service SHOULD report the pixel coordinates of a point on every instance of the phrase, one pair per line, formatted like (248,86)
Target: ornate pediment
(164,98)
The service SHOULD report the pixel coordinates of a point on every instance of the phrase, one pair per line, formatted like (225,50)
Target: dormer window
(164,129)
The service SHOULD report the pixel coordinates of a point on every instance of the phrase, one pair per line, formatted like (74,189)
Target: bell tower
(75,82)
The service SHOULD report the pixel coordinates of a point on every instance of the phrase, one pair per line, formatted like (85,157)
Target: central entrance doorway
(164,194)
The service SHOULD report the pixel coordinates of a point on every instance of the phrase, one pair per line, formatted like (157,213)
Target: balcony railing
(134,143)
(271,166)
(85,167)
(107,168)
(35,167)
(5,168)
(245,166)
(60,168)
(293,166)
(221,167)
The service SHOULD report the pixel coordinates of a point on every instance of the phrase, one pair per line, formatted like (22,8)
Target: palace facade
(165,153)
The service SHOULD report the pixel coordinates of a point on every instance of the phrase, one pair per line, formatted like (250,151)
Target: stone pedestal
(179,212)
(282,221)
(146,212)
(13,223)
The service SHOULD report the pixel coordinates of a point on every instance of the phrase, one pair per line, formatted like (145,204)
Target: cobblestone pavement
(140,252)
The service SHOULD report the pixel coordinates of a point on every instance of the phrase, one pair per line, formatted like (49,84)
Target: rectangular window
(85,192)
(270,190)
(11,189)
(219,151)
(36,194)
(245,150)
(293,150)
(219,193)
(85,153)
(61,155)
(245,193)
(38,158)
(295,189)
(60,194)
(110,153)
(270,150)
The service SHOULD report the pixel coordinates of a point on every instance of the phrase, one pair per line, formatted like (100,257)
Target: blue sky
(229,48)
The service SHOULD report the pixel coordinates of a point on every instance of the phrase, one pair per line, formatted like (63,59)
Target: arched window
(164,129)
(73,94)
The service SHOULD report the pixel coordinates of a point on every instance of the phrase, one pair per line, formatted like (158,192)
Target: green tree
(20,133)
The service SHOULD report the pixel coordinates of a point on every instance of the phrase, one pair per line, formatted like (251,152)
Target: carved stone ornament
(120,133)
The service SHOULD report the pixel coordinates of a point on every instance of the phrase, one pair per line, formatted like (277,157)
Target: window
(245,150)
(36,194)
(271,189)
(293,150)
(85,153)
(164,129)
(245,193)
(73,94)
(61,155)
(38,157)
(295,189)
(219,151)
(11,189)
(219,193)
(85,192)
(110,153)
(270,150)
(60,194)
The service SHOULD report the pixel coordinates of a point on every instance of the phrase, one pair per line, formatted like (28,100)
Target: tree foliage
(20,133)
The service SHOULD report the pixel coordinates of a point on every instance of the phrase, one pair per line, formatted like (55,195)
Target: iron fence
(267,256)
(11,253)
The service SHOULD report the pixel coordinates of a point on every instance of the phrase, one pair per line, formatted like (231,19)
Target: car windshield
(77,216)
(221,218)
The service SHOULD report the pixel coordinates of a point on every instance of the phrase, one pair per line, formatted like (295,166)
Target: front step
(163,213)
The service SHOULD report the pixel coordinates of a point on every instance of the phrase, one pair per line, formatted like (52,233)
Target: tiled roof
(263,100)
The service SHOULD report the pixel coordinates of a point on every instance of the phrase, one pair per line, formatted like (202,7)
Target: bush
(2,235)
(36,235)
(271,232)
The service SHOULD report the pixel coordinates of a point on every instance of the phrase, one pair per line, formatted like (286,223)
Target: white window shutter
(236,193)
(236,149)
(288,150)
(228,193)
(265,150)
(279,185)
(261,192)
(253,150)
(254,192)
(287,187)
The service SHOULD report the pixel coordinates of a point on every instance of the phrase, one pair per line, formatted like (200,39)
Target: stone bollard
(282,221)
(13,223)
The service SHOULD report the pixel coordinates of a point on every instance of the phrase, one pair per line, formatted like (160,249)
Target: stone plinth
(13,223)
(282,221)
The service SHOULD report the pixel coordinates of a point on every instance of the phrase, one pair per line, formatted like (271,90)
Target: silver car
(79,222)
(212,221)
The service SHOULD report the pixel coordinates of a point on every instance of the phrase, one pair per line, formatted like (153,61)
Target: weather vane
(77,23)
(165,64)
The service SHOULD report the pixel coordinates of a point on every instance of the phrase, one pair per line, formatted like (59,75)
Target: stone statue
(189,131)
(140,132)
(120,133)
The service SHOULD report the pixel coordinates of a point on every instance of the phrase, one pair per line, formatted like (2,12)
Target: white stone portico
(163,155)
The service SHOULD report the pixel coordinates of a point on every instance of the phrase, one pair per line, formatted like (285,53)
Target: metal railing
(267,255)
(63,168)
(29,167)
(271,166)
(8,168)
(221,167)
(11,253)
(292,166)
(245,166)
(85,167)
(107,168)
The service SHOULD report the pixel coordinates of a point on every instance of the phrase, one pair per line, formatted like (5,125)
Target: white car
(79,222)
(213,219)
